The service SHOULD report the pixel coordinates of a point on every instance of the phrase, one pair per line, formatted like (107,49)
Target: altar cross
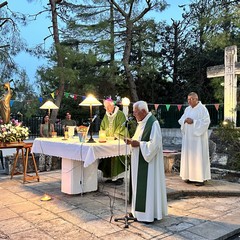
(229,71)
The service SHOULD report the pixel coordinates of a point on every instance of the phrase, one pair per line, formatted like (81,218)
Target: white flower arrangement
(13,132)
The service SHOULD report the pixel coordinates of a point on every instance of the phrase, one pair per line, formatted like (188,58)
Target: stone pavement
(207,212)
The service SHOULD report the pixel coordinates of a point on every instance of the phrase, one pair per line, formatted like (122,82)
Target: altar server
(195,163)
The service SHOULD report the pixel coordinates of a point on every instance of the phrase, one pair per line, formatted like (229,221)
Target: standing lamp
(125,103)
(49,105)
(90,101)
(127,217)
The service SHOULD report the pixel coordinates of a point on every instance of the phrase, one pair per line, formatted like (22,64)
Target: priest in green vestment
(149,198)
(113,123)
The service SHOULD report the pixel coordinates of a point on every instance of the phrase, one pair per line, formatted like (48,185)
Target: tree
(209,24)
(131,15)
(10,43)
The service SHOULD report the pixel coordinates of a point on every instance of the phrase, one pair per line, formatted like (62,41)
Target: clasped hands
(133,143)
(188,121)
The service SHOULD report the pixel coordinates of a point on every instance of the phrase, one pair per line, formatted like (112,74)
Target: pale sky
(35,32)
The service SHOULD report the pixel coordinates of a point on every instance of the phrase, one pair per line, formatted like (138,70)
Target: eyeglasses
(191,99)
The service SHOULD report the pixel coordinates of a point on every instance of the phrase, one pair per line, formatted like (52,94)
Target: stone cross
(229,71)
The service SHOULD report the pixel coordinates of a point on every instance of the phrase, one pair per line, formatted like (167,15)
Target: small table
(79,160)
(21,146)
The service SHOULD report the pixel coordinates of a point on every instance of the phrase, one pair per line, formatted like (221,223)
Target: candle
(102,136)
(66,134)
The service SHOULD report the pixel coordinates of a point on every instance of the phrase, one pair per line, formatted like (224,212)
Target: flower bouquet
(13,131)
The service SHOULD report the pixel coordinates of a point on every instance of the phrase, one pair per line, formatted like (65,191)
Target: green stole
(143,169)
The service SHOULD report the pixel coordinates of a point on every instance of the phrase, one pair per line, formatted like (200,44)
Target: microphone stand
(127,217)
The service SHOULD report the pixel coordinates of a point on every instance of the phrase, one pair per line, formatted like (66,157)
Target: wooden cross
(229,71)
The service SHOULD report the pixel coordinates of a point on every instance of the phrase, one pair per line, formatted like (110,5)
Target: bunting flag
(167,106)
(216,106)
(156,105)
(11,102)
(66,94)
(179,106)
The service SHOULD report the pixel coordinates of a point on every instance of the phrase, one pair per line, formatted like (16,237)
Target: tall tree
(205,21)
(133,11)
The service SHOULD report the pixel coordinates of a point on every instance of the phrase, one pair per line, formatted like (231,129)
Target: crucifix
(229,71)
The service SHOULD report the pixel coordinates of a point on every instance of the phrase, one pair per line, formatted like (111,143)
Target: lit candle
(102,136)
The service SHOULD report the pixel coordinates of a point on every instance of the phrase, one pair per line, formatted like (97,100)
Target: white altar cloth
(79,160)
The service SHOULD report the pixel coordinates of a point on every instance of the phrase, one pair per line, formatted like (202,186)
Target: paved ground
(208,212)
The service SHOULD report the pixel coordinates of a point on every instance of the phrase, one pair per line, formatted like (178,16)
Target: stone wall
(41,165)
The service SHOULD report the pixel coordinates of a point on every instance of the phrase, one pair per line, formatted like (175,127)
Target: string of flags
(76,96)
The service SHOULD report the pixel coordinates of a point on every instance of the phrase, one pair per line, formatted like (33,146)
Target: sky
(35,32)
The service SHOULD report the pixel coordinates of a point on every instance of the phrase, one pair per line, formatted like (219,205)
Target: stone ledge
(56,164)
(169,160)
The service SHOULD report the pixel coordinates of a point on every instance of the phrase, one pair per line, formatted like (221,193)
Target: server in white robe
(195,163)
(149,198)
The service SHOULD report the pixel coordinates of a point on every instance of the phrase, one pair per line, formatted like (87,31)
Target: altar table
(79,160)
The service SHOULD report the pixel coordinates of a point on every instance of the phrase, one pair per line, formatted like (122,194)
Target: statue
(5,103)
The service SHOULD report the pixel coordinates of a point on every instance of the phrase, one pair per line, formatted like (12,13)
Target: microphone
(127,120)
(94,117)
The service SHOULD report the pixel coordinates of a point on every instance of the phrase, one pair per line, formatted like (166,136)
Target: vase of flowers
(13,132)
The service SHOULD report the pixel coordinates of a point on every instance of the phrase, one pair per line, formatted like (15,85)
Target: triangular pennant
(156,106)
(11,102)
(57,92)
(216,106)
(53,94)
(40,99)
(66,94)
(167,106)
(75,97)
(71,96)
(179,106)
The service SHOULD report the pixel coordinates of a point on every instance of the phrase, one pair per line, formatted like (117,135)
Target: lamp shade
(49,105)
(125,101)
(90,100)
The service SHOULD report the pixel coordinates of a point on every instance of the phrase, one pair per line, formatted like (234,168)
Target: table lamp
(49,105)
(90,101)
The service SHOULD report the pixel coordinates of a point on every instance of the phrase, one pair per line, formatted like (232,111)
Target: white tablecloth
(73,149)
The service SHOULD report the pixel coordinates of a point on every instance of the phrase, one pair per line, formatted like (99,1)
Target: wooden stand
(27,147)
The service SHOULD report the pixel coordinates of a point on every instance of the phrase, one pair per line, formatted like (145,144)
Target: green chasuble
(113,166)
(143,169)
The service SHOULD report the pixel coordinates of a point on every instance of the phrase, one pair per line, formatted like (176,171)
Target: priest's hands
(188,121)
(133,143)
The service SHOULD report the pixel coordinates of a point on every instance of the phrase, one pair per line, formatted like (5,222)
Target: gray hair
(141,105)
(193,94)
